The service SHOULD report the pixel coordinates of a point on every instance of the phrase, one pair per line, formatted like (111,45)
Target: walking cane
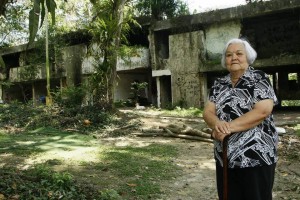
(225,168)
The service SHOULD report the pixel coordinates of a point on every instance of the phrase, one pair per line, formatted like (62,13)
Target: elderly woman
(240,105)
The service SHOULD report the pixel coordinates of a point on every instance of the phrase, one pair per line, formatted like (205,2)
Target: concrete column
(33,94)
(158,92)
(203,89)
(1,100)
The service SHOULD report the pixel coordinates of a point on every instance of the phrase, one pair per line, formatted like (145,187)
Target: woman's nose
(234,56)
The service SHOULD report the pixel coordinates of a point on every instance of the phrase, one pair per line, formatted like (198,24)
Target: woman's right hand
(222,127)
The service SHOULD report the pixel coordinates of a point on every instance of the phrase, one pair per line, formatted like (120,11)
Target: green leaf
(42,12)
(51,5)
(34,15)
(2,63)
(93,1)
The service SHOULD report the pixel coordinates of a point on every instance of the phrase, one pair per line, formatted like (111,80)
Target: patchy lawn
(134,171)
(128,167)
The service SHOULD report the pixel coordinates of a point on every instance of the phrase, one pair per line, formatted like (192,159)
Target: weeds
(17,117)
(41,183)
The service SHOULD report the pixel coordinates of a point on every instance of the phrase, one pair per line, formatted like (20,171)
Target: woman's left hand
(218,135)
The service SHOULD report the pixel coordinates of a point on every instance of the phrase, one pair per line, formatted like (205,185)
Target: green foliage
(110,194)
(2,64)
(296,128)
(12,26)
(41,183)
(38,13)
(290,103)
(18,117)
(69,97)
(29,72)
(162,9)
(136,87)
(70,100)
(16,114)
(108,30)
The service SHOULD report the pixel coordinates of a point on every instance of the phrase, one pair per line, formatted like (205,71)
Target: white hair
(250,52)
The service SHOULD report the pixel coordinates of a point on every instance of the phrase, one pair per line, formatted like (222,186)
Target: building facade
(180,57)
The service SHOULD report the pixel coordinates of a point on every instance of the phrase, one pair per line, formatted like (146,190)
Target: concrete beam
(277,61)
(157,73)
(239,12)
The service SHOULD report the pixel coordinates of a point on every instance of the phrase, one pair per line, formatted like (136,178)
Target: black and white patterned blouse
(256,146)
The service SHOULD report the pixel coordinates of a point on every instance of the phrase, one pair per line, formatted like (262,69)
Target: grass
(297,129)
(61,164)
(143,168)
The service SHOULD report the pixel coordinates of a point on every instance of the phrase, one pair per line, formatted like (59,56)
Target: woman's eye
(228,55)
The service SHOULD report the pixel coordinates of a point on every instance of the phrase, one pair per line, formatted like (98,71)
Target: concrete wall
(72,57)
(186,56)
(272,27)
(123,89)
(217,35)
(140,59)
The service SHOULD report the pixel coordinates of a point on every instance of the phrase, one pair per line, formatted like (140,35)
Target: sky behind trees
(206,5)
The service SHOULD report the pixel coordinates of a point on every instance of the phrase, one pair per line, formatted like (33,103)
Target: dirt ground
(195,158)
(197,180)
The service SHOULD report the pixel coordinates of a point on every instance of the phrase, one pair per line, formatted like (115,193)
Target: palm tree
(108,28)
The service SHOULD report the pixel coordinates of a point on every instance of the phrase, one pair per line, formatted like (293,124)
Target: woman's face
(235,58)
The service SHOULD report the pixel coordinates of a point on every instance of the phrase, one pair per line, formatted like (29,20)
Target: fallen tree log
(186,130)
(167,131)
(190,137)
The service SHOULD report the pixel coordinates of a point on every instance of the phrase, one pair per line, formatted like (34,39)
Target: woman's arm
(261,110)
(212,120)
(209,114)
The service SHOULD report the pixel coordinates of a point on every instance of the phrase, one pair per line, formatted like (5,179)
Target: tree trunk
(118,15)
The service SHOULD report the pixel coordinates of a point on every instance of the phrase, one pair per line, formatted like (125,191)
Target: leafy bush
(18,117)
(290,103)
(69,97)
(41,183)
(110,194)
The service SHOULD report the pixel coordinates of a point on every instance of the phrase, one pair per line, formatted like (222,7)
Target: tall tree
(107,28)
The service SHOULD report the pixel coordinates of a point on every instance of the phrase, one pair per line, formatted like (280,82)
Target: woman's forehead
(236,46)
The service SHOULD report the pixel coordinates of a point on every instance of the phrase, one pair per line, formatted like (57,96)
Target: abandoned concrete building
(180,57)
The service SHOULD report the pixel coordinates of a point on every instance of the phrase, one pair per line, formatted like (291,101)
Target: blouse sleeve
(263,88)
